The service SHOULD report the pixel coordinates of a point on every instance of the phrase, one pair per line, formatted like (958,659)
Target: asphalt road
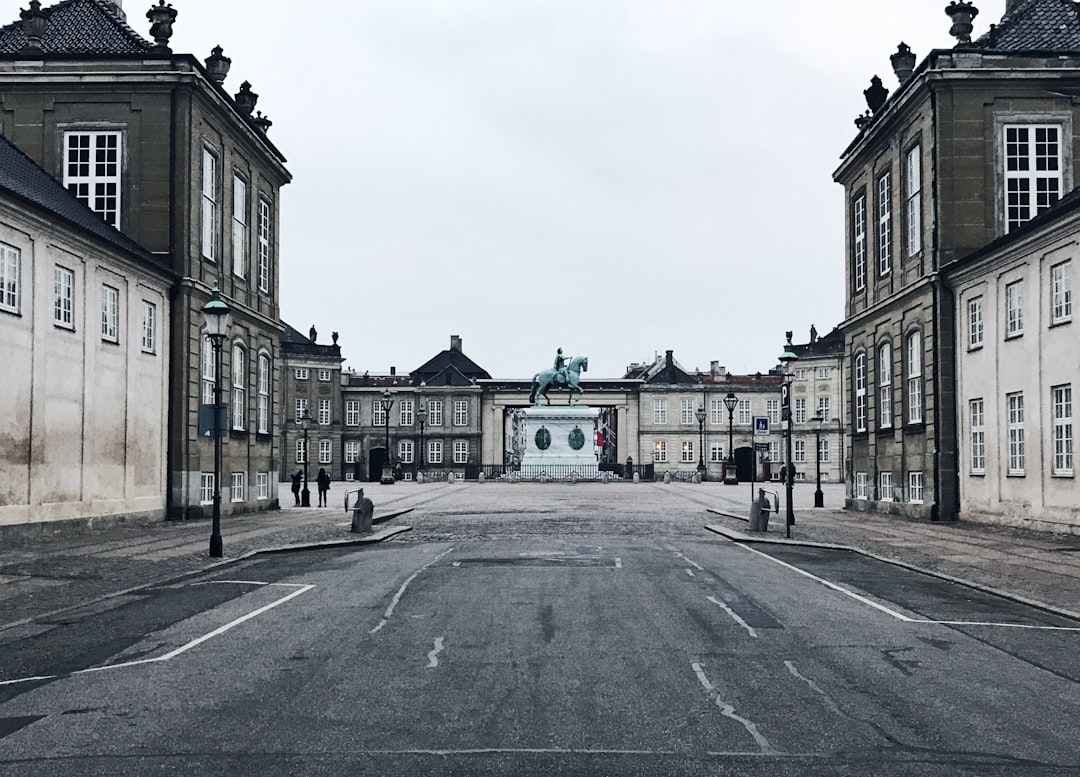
(546,639)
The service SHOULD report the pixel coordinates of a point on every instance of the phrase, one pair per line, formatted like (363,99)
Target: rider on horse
(560,367)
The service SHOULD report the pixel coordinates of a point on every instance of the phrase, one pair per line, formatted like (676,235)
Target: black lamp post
(421,416)
(786,358)
(700,413)
(305,494)
(217,317)
(387,402)
(731,402)
(819,497)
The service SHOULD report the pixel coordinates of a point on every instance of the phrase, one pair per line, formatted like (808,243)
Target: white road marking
(691,562)
(456,564)
(689,572)
(729,712)
(832,705)
(433,656)
(831,585)
(734,615)
(401,591)
(1035,627)
(301,589)
(618,563)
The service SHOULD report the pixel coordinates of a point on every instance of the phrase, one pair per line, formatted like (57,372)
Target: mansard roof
(22,178)
(80,27)
(1035,25)
(663,371)
(449,368)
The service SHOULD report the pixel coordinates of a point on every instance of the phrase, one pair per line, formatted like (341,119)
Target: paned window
(1032,171)
(800,373)
(239,486)
(461,412)
(461,451)
(885,386)
(913,200)
(239,387)
(239,227)
(64,297)
(301,408)
(405,417)
(10,259)
(686,411)
(206,488)
(209,203)
(716,451)
(800,410)
(915,378)
(975,322)
(858,245)
(687,453)
(378,415)
(434,412)
(92,171)
(861,491)
(824,409)
(860,392)
(434,452)
(324,412)
(301,373)
(325,451)
(659,411)
(1063,429)
(264,394)
(1015,405)
(209,371)
(405,451)
(660,450)
(915,487)
(743,412)
(301,450)
(772,410)
(823,373)
(775,454)
(110,314)
(264,228)
(885,486)
(1014,309)
(884,224)
(799,451)
(325,375)
(977,417)
(149,327)
(1061,293)
(717,411)
(352,412)
(352,451)
(823,450)
(262,485)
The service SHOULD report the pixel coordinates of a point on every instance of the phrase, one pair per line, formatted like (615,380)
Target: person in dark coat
(296,480)
(323,481)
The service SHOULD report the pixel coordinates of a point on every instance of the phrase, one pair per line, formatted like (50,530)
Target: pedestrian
(296,486)
(323,481)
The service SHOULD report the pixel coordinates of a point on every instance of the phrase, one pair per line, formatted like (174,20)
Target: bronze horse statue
(546,379)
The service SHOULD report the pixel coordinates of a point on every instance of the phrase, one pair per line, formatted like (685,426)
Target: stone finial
(875,95)
(217,65)
(961,12)
(334,337)
(161,18)
(862,121)
(34,23)
(263,123)
(245,99)
(903,63)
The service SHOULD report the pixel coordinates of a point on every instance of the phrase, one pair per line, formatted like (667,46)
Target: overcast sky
(615,177)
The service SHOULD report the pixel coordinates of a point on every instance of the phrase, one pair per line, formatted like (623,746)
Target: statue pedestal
(560,443)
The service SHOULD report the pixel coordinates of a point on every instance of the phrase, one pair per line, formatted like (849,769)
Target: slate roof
(664,371)
(21,177)
(449,368)
(1035,25)
(80,27)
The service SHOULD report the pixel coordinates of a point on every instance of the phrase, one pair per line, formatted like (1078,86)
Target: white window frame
(823,373)
(301,450)
(239,227)
(206,488)
(405,451)
(63,297)
(823,450)
(1062,410)
(352,451)
(772,410)
(238,487)
(239,387)
(378,414)
(885,400)
(716,452)
(660,455)
(301,373)
(208,371)
(885,486)
(405,412)
(686,412)
(301,408)
(915,377)
(263,421)
(915,487)
(686,452)
(461,412)
(824,409)
(800,373)
(10,281)
(913,199)
(324,412)
(435,451)
(1014,309)
(325,375)
(352,412)
(859,377)
(110,313)
(1033,174)
(461,451)
(1061,293)
(435,412)
(1017,455)
(262,486)
(861,490)
(326,451)
(976,327)
(149,327)
(265,233)
(798,454)
(977,424)
(93,171)
(743,413)
(208,199)
(659,411)
(800,410)
(884,224)
(717,411)
(858,243)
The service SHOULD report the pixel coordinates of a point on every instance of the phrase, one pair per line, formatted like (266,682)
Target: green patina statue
(563,373)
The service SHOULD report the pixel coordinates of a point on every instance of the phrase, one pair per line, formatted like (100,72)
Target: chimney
(669,357)
(455,343)
(393,371)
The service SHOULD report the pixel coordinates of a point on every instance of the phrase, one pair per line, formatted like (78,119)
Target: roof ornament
(961,12)
(875,95)
(262,123)
(217,65)
(903,63)
(862,121)
(34,22)
(161,18)
(245,99)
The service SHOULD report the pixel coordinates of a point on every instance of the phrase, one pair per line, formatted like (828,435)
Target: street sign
(761,424)
(761,447)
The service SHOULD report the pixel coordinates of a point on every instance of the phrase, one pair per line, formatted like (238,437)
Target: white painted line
(301,589)
(691,562)
(831,585)
(456,564)
(401,591)
(618,563)
(832,705)
(1034,627)
(734,615)
(729,712)
(689,572)
(433,656)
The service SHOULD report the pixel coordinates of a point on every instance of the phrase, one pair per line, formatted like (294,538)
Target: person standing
(296,480)
(323,481)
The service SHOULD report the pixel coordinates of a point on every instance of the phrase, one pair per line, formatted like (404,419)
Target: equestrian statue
(563,373)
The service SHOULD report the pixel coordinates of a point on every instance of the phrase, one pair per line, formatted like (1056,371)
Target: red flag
(599,439)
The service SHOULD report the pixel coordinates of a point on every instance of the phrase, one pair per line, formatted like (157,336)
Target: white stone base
(560,427)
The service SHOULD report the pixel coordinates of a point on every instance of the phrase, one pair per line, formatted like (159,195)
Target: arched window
(239,387)
(859,373)
(885,386)
(264,394)
(915,377)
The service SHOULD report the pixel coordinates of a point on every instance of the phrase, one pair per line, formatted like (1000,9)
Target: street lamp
(421,416)
(305,494)
(819,498)
(700,413)
(731,402)
(786,358)
(217,317)
(387,402)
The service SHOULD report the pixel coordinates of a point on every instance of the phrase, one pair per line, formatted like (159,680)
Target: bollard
(480,478)
(637,477)
(697,477)
(667,477)
(759,513)
(450,477)
(361,514)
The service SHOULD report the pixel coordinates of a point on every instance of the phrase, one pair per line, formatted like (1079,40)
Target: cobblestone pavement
(47,574)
